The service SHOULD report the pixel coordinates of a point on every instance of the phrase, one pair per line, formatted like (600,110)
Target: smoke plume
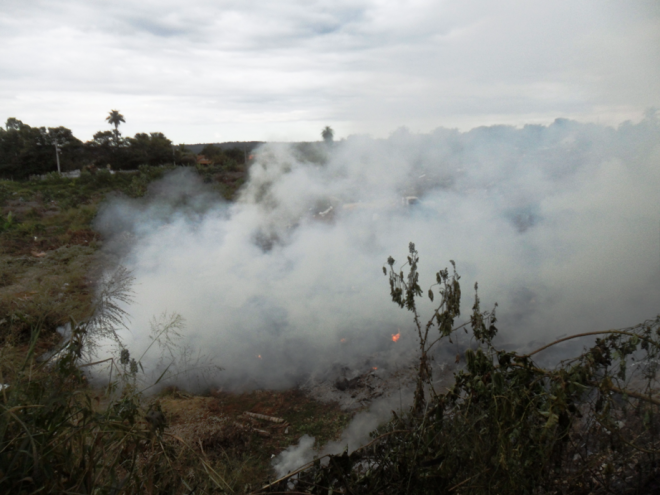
(353,437)
(559,224)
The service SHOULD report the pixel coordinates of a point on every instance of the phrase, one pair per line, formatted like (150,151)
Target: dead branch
(95,362)
(272,419)
(259,432)
(586,334)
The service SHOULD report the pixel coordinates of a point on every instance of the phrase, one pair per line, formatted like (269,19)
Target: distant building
(202,160)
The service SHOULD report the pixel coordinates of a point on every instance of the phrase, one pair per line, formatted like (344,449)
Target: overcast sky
(221,70)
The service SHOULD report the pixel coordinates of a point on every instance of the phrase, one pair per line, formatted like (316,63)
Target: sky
(211,71)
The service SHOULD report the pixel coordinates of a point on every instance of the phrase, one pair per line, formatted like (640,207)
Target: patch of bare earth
(247,430)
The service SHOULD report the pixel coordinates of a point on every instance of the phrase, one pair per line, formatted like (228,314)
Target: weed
(55,439)
(8,222)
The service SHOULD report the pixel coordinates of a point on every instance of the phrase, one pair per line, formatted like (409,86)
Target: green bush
(147,174)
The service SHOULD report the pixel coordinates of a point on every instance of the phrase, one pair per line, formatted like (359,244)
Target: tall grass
(56,437)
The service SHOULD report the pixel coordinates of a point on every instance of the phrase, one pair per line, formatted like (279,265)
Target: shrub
(56,438)
(508,425)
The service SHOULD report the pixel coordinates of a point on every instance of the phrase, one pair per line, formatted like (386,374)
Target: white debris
(325,212)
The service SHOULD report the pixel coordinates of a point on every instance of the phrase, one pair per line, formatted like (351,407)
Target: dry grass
(242,446)
(85,440)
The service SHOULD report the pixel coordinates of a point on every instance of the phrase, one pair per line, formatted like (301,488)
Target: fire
(375,368)
(259,356)
(342,341)
(396,337)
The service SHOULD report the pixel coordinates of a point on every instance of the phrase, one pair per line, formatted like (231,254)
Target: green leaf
(552,421)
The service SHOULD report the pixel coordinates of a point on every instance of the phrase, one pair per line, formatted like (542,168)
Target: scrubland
(508,425)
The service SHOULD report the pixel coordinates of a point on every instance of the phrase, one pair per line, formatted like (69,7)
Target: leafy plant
(8,222)
(147,174)
(507,425)
(56,438)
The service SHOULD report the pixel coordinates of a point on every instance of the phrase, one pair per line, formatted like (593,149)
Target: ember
(396,337)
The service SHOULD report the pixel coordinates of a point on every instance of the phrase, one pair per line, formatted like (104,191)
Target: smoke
(294,456)
(559,224)
(356,434)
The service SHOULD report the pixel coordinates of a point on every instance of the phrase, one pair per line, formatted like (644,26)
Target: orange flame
(396,337)
(375,368)
(342,341)
(259,356)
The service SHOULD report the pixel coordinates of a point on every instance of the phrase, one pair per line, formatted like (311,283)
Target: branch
(465,481)
(96,362)
(622,391)
(636,395)
(586,334)
(453,330)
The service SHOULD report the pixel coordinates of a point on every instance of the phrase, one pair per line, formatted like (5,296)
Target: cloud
(229,70)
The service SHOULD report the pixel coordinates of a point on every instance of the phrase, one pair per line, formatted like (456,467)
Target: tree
(213,153)
(148,149)
(100,149)
(13,124)
(115,118)
(184,156)
(102,139)
(66,144)
(328,134)
(26,150)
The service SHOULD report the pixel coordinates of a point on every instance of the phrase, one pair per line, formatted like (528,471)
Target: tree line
(26,150)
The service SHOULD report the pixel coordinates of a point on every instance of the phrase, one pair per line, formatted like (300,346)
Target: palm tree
(115,118)
(328,134)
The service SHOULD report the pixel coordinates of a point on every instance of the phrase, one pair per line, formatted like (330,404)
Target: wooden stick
(259,432)
(272,419)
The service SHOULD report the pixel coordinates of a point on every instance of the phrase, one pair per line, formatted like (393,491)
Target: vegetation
(328,134)
(103,440)
(48,251)
(228,158)
(115,118)
(27,151)
(55,438)
(49,257)
(57,435)
(507,425)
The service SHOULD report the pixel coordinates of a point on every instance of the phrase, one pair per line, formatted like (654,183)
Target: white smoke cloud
(559,224)
(356,434)
(294,456)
